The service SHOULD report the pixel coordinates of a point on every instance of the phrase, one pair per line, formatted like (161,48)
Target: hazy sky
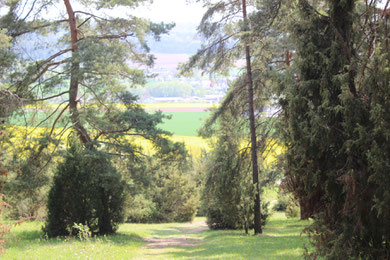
(178,11)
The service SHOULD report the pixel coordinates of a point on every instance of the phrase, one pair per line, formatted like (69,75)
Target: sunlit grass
(282,239)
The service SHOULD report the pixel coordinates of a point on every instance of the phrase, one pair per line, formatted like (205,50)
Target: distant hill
(182,39)
(169,60)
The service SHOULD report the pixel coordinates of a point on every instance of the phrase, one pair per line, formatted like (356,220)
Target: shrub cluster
(160,193)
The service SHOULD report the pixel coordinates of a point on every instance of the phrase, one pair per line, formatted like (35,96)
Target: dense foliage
(161,188)
(336,127)
(228,190)
(86,190)
(27,185)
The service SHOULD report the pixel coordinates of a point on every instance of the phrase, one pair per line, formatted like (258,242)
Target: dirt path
(179,236)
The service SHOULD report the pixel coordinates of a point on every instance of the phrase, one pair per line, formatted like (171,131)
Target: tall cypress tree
(336,123)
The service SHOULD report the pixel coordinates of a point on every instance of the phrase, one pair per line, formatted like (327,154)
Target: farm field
(282,239)
(180,123)
(186,119)
(184,124)
(160,106)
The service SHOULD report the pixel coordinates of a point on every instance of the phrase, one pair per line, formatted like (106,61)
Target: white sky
(178,11)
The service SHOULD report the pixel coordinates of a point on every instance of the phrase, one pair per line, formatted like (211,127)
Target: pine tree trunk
(255,168)
(74,80)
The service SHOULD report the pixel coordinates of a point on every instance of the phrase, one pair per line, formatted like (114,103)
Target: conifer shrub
(27,186)
(177,198)
(228,189)
(336,128)
(86,190)
(161,193)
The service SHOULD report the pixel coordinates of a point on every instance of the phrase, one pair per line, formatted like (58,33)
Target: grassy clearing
(281,240)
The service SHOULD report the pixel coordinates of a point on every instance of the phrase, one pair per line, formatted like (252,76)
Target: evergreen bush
(86,190)
(160,192)
(228,190)
(336,125)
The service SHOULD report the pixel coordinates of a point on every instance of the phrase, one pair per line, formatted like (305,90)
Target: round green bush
(86,190)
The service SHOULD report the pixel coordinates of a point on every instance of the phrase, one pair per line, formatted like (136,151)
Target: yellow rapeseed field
(23,136)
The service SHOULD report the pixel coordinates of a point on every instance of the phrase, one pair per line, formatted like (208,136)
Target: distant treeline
(172,89)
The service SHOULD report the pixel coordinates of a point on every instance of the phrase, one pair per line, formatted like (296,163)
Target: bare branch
(109,36)
(94,93)
(58,117)
(46,98)
(46,118)
(16,34)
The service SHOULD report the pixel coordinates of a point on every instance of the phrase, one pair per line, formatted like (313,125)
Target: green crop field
(181,123)
(156,106)
(184,123)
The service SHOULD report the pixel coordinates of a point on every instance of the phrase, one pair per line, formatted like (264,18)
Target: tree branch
(109,36)
(94,93)
(43,99)
(58,117)
(16,34)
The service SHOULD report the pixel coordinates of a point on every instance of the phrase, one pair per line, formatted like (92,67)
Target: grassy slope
(282,240)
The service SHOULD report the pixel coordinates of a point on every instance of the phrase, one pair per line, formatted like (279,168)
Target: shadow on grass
(121,238)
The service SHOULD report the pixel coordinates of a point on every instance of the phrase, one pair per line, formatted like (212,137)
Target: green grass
(281,240)
(185,123)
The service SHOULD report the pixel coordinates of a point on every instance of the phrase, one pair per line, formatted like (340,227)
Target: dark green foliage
(27,184)
(228,189)
(175,197)
(161,187)
(336,122)
(283,199)
(86,190)
(228,204)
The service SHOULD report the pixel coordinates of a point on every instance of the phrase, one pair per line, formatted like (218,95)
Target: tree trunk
(255,168)
(74,80)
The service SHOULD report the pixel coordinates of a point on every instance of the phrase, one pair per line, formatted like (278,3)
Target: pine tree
(227,40)
(88,62)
